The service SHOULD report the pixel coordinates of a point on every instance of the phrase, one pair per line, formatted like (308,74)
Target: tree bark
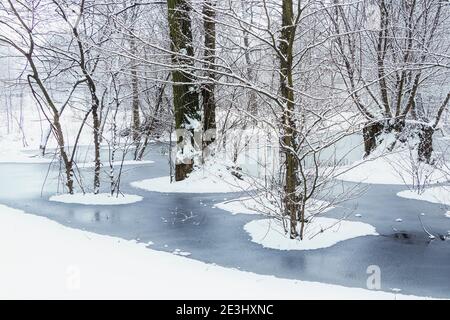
(289,126)
(136,126)
(208,97)
(371,132)
(425,148)
(185,95)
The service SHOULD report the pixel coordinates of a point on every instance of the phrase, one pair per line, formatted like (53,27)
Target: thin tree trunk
(96,128)
(55,123)
(135,97)
(209,102)
(289,127)
(248,60)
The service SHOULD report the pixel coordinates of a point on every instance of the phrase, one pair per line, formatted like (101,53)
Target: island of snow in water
(101,199)
(320,232)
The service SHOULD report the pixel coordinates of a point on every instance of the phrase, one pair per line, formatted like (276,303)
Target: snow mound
(440,195)
(101,199)
(393,168)
(211,178)
(270,233)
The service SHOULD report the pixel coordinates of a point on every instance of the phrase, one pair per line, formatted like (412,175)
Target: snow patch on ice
(320,233)
(101,199)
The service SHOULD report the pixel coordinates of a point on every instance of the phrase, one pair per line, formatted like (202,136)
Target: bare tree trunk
(55,122)
(136,126)
(185,96)
(425,149)
(253,109)
(371,132)
(209,102)
(96,128)
(289,126)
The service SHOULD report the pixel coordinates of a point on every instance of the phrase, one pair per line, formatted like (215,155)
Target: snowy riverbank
(43,259)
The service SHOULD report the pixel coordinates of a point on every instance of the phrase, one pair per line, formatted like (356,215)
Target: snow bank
(270,233)
(440,195)
(44,260)
(211,178)
(101,199)
(390,169)
(12,151)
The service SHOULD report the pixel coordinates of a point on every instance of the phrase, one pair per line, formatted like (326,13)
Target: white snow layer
(440,195)
(11,151)
(42,259)
(271,234)
(100,199)
(207,179)
(391,169)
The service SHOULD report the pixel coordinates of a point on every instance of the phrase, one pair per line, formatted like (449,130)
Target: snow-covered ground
(12,151)
(100,199)
(43,259)
(211,178)
(439,194)
(395,168)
